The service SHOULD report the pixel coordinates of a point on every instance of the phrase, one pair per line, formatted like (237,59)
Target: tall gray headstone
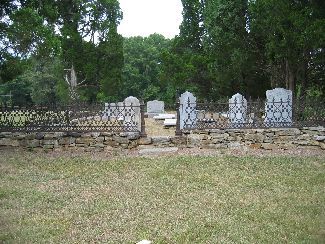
(187,110)
(132,116)
(237,109)
(155,107)
(278,107)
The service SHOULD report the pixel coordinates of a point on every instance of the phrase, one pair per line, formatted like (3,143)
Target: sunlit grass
(183,199)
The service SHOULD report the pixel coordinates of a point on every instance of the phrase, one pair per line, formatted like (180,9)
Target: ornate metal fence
(113,117)
(240,113)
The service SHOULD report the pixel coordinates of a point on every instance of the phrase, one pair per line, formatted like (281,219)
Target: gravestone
(187,110)
(155,107)
(237,110)
(132,116)
(278,107)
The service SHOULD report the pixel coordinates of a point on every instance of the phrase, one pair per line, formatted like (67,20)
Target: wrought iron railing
(114,117)
(250,114)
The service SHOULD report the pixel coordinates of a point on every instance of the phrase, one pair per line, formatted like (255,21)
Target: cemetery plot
(278,110)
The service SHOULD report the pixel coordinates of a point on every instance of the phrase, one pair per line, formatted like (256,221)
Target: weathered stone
(49,136)
(30,136)
(5,134)
(67,140)
(47,146)
(233,138)
(304,137)
(121,140)
(255,146)
(111,143)
(286,146)
(50,142)
(214,146)
(88,134)
(319,138)
(145,141)
(95,134)
(106,134)
(269,146)
(207,137)
(33,143)
(100,139)
(133,135)
(302,142)
(219,135)
(9,142)
(318,128)
(146,146)
(158,150)
(288,132)
(74,134)
(108,138)
(39,136)
(160,139)
(132,144)
(84,140)
(124,145)
(19,135)
(284,138)
(322,145)
(234,145)
(178,140)
(194,139)
(99,145)
(258,137)
(218,131)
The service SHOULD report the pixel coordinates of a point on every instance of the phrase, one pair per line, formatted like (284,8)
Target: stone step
(157,150)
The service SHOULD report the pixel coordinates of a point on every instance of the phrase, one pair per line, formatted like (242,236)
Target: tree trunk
(290,77)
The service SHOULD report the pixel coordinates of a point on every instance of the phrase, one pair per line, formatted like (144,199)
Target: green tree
(143,66)
(293,37)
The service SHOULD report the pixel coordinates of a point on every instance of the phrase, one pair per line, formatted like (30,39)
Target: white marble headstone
(132,116)
(187,110)
(155,107)
(278,107)
(237,109)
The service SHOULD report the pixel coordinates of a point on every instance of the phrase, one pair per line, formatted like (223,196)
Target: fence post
(178,131)
(143,123)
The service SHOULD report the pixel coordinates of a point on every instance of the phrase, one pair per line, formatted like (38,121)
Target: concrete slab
(165,116)
(170,122)
(157,150)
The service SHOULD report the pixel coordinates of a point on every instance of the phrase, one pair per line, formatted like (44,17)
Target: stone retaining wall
(312,137)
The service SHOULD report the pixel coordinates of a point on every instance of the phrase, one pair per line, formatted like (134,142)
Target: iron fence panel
(72,117)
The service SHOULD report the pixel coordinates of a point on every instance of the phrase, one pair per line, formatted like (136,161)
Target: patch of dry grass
(183,199)
(156,128)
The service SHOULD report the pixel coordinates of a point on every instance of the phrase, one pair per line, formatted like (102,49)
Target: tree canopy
(224,47)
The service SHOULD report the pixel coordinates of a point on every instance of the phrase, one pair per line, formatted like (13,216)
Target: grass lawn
(180,199)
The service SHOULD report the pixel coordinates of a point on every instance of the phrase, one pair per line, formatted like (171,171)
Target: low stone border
(311,137)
